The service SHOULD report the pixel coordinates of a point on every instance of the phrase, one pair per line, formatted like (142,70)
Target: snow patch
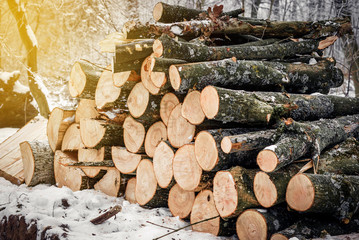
(5,76)
(20,88)
(176,30)
(312,61)
(70,119)
(110,115)
(271,148)
(31,35)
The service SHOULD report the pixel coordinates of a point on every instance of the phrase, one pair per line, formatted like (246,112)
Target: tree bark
(107,215)
(133,51)
(93,155)
(37,159)
(303,139)
(158,64)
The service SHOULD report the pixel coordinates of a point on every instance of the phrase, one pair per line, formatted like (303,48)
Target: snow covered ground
(71,212)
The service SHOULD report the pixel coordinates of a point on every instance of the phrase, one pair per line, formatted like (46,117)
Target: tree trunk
(303,139)
(163,163)
(37,159)
(158,64)
(335,195)
(257,75)
(93,155)
(233,191)
(191,108)
(110,183)
(125,161)
(205,208)
(133,51)
(180,202)
(166,13)
(59,121)
(154,135)
(86,109)
(97,133)
(72,139)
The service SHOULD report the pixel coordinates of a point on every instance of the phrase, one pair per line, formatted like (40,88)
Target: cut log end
(278,236)
(77,80)
(155,134)
(300,193)
(251,225)
(28,161)
(191,108)
(226,145)
(157,11)
(210,101)
(168,102)
(130,190)
(267,160)
(225,193)
(110,183)
(91,155)
(179,130)
(146,77)
(206,151)
(162,164)
(72,138)
(106,92)
(146,183)
(186,170)
(157,48)
(91,132)
(86,109)
(120,78)
(126,162)
(204,208)
(175,77)
(138,100)
(158,78)
(133,134)
(264,190)
(180,202)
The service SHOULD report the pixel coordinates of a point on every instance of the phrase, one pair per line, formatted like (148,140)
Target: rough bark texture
(133,51)
(257,75)
(303,139)
(196,53)
(134,65)
(105,164)
(37,158)
(158,64)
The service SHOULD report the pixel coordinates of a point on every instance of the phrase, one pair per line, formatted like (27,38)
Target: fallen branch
(107,215)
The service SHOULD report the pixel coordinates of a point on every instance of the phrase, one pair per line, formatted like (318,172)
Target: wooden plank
(11,167)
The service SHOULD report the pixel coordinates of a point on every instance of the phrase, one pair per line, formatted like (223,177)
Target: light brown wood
(157,11)
(146,78)
(110,183)
(57,125)
(191,108)
(225,193)
(180,202)
(278,236)
(106,91)
(300,193)
(226,145)
(86,109)
(162,164)
(133,134)
(91,131)
(186,170)
(91,155)
(157,48)
(175,77)
(179,130)
(72,139)
(120,78)
(267,160)
(251,225)
(168,102)
(125,161)
(210,102)
(264,190)
(78,80)
(204,208)
(158,78)
(206,150)
(155,134)
(138,100)
(130,190)
(146,183)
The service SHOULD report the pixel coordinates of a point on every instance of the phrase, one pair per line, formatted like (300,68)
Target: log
(303,139)
(98,133)
(38,161)
(125,161)
(167,13)
(248,141)
(169,48)
(158,79)
(157,64)
(186,171)
(73,178)
(179,130)
(84,78)
(72,139)
(155,134)
(141,103)
(257,75)
(204,208)
(167,104)
(261,108)
(103,165)
(59,121)
(129,66)
(180,202)
(191,108)
(163,162)
(233,191)
(335,195)
(120,78)
(262,223)
(210,156)
(133,134)
(92,155)
(130,190)
(107,215)
(133,51)
(147,193)
(86,109)
(110,183)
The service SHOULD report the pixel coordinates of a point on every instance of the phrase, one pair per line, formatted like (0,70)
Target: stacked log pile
(212,118)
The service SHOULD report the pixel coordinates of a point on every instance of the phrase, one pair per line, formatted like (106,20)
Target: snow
(176,30)
(6,132)
(48,204)
(5,76)
(31,35)
(20,88)
(271,148)
(70,119)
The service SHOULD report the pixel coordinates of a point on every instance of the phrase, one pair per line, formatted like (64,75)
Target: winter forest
(118,122)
